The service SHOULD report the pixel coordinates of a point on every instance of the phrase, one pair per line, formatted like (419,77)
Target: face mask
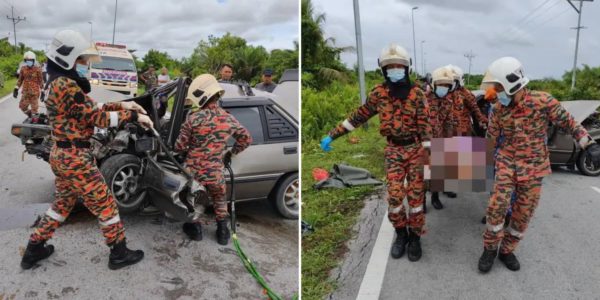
(441,91)
(504,98)
(81,70)
(29,63)
(395,75)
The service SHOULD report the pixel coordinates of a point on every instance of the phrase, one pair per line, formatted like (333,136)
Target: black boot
(486,261)
(399,246)
(34,253)
(450,194)
(483,220)
(414,246)
(193,231)
(507,220)
(510,261)
(425,206)
(121,256)
(222,232)
(435,200)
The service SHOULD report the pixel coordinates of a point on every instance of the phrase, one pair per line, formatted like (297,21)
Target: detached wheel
(286,197)
(121,173)
(586,166)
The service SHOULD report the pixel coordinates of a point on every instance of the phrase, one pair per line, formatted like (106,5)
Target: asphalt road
(173,267)
(559,255)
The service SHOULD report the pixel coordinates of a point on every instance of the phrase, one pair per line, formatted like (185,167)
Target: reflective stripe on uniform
(494,228)
(426,144)
(100,105)
(54,215)
(114,119)
(395,210)
(515,232)
(114,220)
(347,125)
(414,210)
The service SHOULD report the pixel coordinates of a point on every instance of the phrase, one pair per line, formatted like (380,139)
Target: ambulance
(116,71)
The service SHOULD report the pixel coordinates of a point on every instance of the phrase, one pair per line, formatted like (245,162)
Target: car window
(250,118)
(278,128)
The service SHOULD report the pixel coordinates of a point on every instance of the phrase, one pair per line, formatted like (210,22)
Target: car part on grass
(245,260)
(343,176)
(306,229)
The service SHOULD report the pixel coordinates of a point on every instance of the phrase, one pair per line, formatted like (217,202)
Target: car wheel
(287,197)
(586,166)
(121,173)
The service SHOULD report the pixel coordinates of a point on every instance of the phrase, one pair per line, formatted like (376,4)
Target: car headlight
(95,81)
(133,84)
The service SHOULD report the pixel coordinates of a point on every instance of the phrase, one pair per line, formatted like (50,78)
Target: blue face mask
(441,91)
(504,98)
(395,74)
(29,63)
(81,70)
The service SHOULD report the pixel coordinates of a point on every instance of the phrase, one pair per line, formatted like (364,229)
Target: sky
(537,32)
(165,25)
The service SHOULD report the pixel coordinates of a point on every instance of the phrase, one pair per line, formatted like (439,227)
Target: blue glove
(326,143)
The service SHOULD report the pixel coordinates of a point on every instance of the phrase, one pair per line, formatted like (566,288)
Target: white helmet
(29,55)
(66,47)
(457,74)
(442,75)
(508,72)
(203,88)
(393,54)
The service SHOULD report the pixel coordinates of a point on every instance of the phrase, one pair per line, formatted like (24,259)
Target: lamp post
(414,39)
(423,59)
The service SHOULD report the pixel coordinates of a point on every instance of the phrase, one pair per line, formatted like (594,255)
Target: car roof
(290,75)
(239,91)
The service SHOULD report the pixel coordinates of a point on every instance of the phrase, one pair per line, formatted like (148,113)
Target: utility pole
(579,27)
(15,21)
(414,39)
(361,67)
(423,60)
(91,30)
(115,22)
(470,57)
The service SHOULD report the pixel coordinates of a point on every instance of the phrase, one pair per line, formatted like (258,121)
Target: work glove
(326,143)
(133,106)
(593,153)
(16,92)
(227,158)
(145,121)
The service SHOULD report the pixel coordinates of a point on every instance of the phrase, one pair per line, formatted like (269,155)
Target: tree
(159,60)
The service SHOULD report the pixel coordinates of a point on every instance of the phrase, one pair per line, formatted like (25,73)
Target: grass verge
(333,212)
(9,85)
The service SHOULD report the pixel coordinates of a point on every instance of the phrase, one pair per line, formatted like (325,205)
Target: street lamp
(414,39)
(91,30)
(422,59)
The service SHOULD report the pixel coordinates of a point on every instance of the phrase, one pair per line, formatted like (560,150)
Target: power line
(532,11)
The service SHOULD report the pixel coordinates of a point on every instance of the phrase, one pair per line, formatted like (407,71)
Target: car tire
(586,167)
(121,173)
(286,197)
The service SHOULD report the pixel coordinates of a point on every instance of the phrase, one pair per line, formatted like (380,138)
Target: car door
(272,154)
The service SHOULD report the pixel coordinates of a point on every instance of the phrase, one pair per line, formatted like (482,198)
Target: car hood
(581,109)
(101,95)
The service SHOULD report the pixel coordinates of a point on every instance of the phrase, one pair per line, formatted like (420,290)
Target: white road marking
(595,189)
(373,278)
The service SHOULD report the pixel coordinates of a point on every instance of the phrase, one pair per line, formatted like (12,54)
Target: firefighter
(521,116)
(203,143)
(30,82)
(404,114)
(441,116)
(73,117)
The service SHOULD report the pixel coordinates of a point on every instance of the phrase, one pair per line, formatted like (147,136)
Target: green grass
(333,212)
(9,85)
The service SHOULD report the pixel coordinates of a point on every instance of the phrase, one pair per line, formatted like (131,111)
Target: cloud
(169,25)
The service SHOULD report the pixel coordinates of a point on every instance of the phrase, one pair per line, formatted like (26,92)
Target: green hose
(245,260)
